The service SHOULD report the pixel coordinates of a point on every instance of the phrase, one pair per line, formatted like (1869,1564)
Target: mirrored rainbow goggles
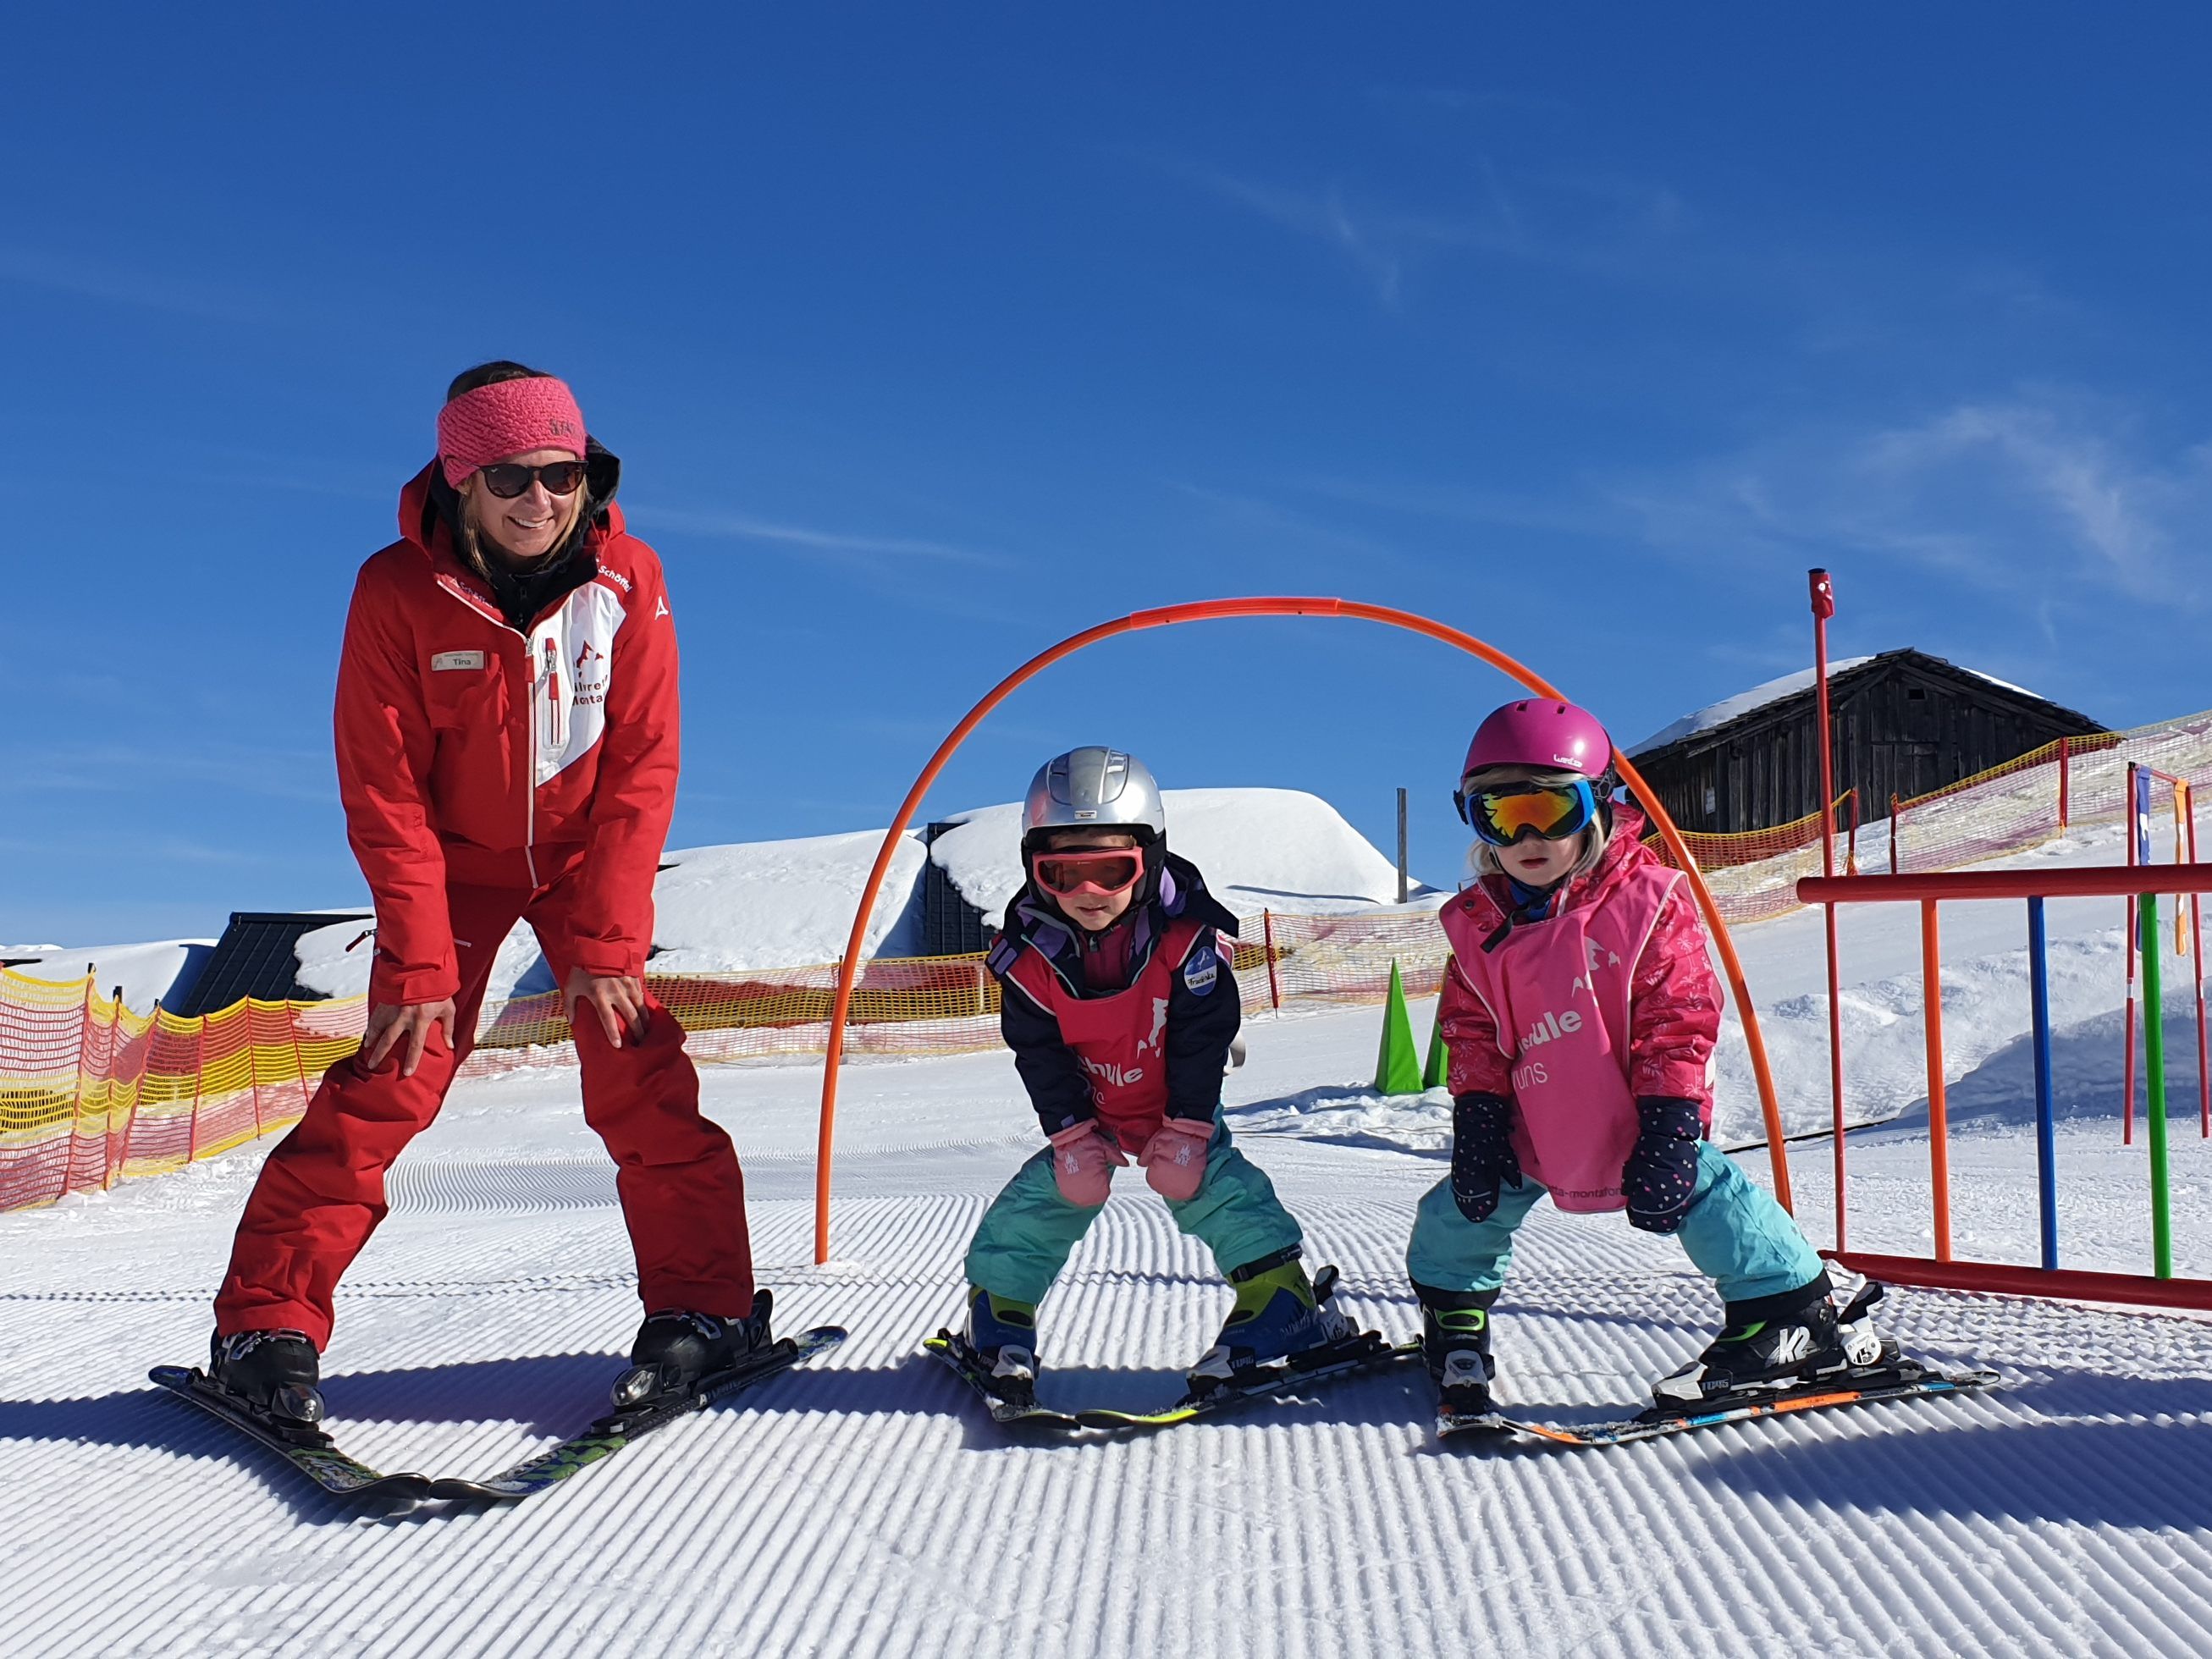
(1503,813)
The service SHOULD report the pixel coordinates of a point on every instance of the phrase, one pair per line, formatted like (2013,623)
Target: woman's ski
(307,1448)
(610,1433)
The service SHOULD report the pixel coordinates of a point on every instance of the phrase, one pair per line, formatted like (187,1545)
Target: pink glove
(1174,1158)
(1082,1162)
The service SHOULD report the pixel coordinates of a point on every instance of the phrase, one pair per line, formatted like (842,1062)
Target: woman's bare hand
(405,1026)
(619,1000)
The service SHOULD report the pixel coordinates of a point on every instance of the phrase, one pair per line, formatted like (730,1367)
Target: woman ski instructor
(507,748)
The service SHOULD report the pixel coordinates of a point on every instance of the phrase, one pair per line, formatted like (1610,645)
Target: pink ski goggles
(1106,870)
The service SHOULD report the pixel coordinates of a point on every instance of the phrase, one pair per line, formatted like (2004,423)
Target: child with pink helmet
(1580,1010)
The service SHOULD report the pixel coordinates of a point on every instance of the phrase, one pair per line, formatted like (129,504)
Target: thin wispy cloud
(131,769)
(93,279)
(2025,498)
(830,544)
(1381,243)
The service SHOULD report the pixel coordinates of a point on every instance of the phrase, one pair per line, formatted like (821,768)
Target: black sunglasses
(508,479)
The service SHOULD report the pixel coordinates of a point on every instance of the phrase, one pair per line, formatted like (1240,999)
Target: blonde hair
(471,538)
(1594,838)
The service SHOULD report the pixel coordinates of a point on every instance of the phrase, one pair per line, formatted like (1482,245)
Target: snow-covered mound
(163,969)
(1262,849)
(788,903)
(334,961)
(780,903)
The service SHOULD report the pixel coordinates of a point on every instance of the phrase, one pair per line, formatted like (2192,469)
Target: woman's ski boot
(998,1346)
(1777,1343)
(1455,1343)
(1280,1315)
(274,1375)
(677,1350)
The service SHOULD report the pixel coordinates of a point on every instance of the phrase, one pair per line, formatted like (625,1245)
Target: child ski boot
(1777,1343)
(1455,1343)
(676,1350)
(998,1346)
(1279,1315)
(275,1375)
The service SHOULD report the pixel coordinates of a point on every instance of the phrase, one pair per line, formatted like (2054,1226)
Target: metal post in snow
(1896,824)
(2046,1150)
(1824,606)
(1402,846)
(2065,776)
(1275,984)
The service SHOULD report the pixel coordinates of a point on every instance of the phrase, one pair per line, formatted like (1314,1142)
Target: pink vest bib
(1558,992)
(1120,1039)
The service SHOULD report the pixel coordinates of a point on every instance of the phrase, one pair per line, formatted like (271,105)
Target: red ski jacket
(1675,998)
(472,753)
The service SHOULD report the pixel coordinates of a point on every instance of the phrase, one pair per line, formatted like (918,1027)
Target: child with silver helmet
(1117,999)
(1580,1010)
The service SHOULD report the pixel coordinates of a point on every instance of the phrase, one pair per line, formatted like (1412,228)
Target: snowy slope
(867,1508)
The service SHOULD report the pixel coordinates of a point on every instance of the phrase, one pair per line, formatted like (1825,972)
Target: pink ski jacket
(1610,999)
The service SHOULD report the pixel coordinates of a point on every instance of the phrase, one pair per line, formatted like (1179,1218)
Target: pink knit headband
(508,418)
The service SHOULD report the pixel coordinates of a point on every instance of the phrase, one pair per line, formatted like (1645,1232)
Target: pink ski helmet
(1540,732)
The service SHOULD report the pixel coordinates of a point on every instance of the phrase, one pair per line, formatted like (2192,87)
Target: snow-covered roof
(1728,709)
(163,969)
(1715,714)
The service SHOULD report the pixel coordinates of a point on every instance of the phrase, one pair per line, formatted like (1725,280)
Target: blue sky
(928,335)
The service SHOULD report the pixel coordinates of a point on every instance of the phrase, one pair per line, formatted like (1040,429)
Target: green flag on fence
(1397,1070)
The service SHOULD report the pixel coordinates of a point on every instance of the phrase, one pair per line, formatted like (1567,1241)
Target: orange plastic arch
(1209,610)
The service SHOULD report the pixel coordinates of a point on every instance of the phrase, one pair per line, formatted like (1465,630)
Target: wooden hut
(1905,723)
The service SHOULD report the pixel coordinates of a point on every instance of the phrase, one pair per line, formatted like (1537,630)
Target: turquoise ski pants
(1025,1237)
(1734,1233)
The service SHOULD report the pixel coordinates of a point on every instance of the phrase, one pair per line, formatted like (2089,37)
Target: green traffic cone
(1435,1070)
(1397,1071)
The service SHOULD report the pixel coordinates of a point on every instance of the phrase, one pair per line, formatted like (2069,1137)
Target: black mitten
(1482,1153)
(1662,1172)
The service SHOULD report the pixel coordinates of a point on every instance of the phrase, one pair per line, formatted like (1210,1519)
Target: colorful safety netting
(91,1092)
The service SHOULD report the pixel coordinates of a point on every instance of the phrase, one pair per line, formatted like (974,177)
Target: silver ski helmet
(1094,788)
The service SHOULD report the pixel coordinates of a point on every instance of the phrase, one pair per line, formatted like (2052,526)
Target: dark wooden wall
(1903,727)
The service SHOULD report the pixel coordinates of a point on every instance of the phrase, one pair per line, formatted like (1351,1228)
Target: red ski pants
(321,1193)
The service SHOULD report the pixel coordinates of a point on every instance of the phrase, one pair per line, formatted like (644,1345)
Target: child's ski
(610,1433)
(954,1352)
(1904,1381)
(1367,1352)
(307,1448)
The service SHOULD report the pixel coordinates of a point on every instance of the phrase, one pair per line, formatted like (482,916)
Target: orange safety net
(2043,794)
(91,1092)
(1755,876)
